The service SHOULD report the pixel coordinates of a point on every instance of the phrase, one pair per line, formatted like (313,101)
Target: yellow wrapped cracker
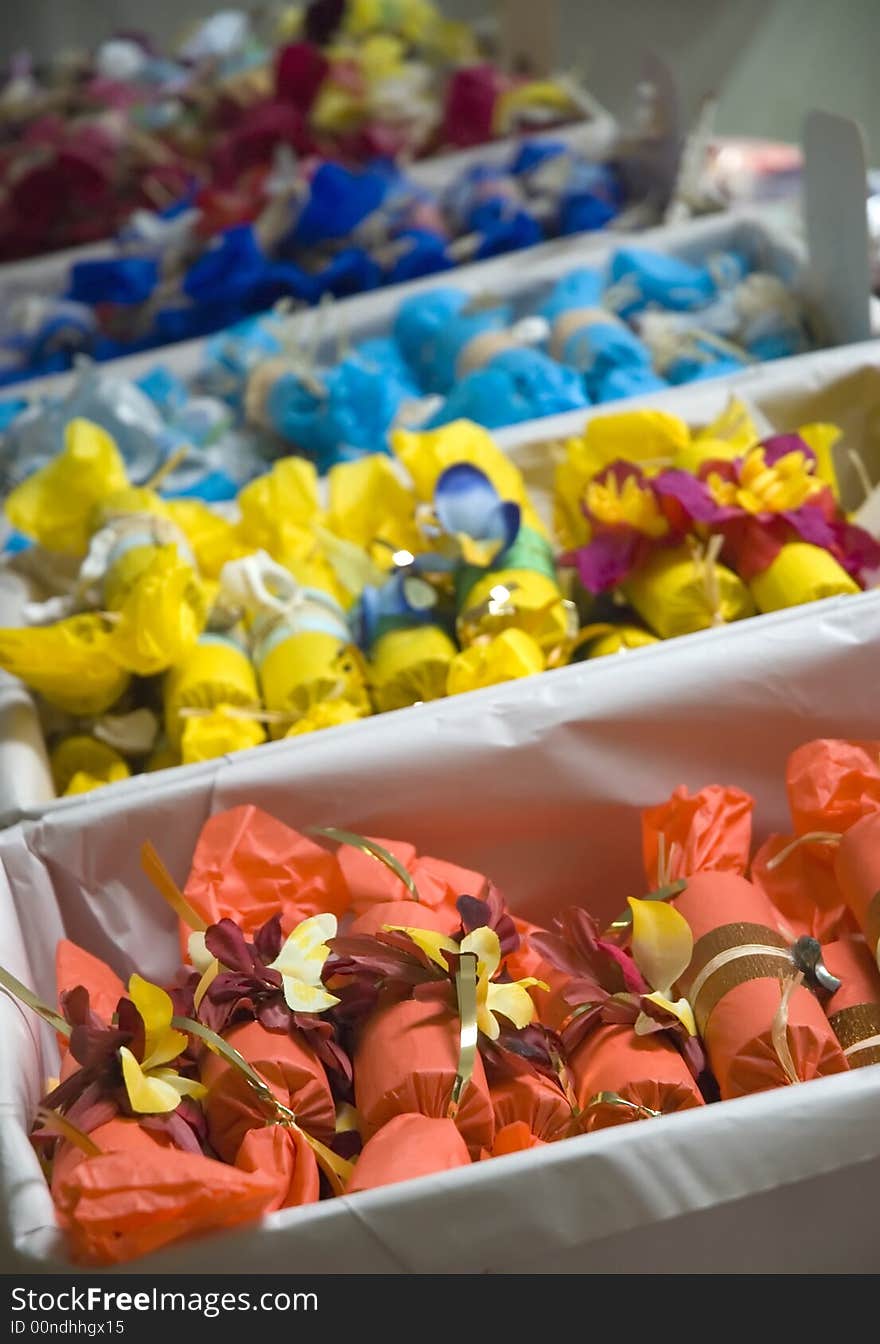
(732,434)
(410,665)
(161,608)
(279,509)
(216,672)
(677,591)
(69,663)
(800,573)
(218,732)
(495,659)
(82,763)
(325,714)
(607,639)
(55,506)
(520,591)
(304,656)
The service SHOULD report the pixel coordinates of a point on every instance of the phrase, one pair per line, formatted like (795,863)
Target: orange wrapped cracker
(857,870)
(119,1135)
(412,914)
(282,1154)
(438,882)
(619,1077)
(803,888)
(753,1038)
(74,966)
(709,831)
(515,1138)
(248,866)
(532,1100)
(293,1072)
(407,1060)
(854,1009)
(409,1145)
(831,784)
(114,1209)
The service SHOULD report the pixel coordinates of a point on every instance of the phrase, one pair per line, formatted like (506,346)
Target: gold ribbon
(153,868)
(729,956)
(615,1099)
(466,993)
(16,990)
(337,1170)
(374,850)
(872,926)
(858,1031)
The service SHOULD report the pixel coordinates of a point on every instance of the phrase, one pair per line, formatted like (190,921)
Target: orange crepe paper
(439,883)
(831,784)
(857,869)
(708,831)
(248,866)
(534,1101)
(408,1146)
(406,1061)
(854,1009)
(738,1031)
(114,1209)
(411,914)
(803,889)
(74,966)
(283,1156)
(645,1070)
(552,1010)
(119,1135)
(514,1138)
(293,1072)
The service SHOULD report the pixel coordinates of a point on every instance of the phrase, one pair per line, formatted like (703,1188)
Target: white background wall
(768,59)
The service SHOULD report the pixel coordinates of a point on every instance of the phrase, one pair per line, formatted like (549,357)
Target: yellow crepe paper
(671,595)
(131,499)
(326,714)
(610,639)
(161,616)
(427,454)
(215,672)
(56,504)
(822,439)
(218,733)
(308,667)
(369,505)
(411,19)
(212,539)
(538,93)
(490,661)
(410,665)
(800,573)
(278,510)
(68,663)
(729,436)
(81,763)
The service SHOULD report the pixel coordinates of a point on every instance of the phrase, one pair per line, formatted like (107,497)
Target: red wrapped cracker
(409,1145)
(854,1009)
(282,1154)
(619,1077)
(406,1061)
(248,866)
(292,1071)
(757,1034)
(438,882)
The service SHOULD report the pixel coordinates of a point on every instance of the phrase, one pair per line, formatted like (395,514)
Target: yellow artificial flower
(784,486)
(629,504)
(55,506)
(153,1088)
(662,947)
(511,1000)
(301,961)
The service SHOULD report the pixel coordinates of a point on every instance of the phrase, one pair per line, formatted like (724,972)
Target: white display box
(540,785)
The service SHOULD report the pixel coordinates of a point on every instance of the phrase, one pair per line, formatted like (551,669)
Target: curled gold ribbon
(153,868)
(466,993)
(615,1099)
(374,850)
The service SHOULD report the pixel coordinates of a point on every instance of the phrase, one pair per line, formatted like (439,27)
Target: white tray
(538,784)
